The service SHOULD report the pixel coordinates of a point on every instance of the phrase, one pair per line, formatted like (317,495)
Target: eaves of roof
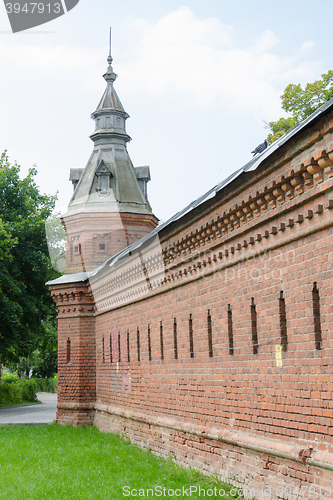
(253,164)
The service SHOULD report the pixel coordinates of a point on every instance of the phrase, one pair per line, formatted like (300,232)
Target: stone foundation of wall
(260,467)
(76,414)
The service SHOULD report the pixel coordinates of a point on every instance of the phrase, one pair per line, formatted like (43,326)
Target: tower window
(102,247)
(103,182)
(104,178)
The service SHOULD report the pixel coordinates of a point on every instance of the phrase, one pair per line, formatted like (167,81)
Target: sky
(198,79)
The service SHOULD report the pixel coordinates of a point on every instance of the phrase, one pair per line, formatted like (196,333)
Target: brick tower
(108,211)
(109,208)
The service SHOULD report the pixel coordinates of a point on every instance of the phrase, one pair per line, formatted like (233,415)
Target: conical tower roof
(110,99)
(110,182)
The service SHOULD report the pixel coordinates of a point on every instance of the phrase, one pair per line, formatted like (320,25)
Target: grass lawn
(56,462)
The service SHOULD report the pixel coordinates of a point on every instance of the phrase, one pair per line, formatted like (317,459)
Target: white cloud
(307,46)
(48,61)
(47,58)
(195,60)
(265,42)
(198,60)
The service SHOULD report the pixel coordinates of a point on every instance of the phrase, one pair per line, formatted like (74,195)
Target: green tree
(42,362)
(301,103)
(45,357)
(56,242)
(25,301)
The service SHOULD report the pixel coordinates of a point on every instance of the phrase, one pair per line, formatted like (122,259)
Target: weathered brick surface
(76,354)
(94,237)
(259,409)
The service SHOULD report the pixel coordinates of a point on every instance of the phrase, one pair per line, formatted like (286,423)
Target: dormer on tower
(103,174)
(109,208)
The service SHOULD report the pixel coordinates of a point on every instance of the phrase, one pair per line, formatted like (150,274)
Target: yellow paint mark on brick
(278,355)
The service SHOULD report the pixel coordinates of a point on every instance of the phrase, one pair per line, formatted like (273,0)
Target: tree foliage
(301,103)
(25,301)
(56,242)
(42,362)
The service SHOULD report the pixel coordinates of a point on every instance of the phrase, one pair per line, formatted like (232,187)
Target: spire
(110,114)
(110,182)
(109,208)
(110,56)
(110,75)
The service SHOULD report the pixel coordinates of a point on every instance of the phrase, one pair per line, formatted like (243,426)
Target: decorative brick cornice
(129,283)
(302,173)
(209,262)
(274,194)
(73,300)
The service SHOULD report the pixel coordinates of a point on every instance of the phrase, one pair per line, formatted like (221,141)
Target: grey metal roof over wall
(253,164)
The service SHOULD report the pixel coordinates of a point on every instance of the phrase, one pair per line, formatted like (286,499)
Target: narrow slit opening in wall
(110,340)
(149,344)
(103,350)
(119,347)
(210,334)
(128,347)
(175,343)
(283,322)
(161,341)
(316,316)
(190,333)
(138,342)
(230,331)
(68,351)
(254,327)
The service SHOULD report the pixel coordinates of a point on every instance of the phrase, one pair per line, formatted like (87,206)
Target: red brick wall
(261,408)
(76,354)
(85,232)
(243,392)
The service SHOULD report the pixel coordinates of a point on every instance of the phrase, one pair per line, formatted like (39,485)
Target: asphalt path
(34,414)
